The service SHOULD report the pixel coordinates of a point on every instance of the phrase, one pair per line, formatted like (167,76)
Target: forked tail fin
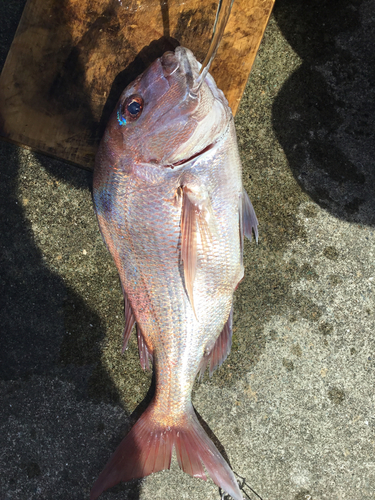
(148,448)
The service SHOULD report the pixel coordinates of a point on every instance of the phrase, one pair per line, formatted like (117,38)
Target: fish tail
(148,447)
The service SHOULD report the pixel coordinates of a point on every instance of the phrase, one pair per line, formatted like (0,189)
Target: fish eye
(134,108)
(130,110)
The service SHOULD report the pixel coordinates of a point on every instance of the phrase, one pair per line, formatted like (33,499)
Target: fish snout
(169,63)
(181,65)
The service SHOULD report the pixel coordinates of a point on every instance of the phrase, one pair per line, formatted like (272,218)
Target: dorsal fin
(249,218)
(219,353)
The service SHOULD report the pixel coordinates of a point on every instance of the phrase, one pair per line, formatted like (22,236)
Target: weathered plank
(70,60)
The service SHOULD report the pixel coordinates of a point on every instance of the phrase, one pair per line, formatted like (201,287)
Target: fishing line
(242,484)
(222,15)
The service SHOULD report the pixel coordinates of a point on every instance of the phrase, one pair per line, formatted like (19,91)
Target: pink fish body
(172,210)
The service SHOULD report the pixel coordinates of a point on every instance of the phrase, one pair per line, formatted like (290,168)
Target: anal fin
(145,356)
(219,353)
(129,322)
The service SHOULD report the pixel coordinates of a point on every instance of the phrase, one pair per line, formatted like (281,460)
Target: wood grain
(71,59)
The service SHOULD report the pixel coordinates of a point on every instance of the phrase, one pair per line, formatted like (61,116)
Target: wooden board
(71,59)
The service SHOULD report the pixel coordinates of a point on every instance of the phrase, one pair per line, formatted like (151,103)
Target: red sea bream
(173,212)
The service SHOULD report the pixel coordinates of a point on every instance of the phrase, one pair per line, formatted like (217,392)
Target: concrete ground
(293,406)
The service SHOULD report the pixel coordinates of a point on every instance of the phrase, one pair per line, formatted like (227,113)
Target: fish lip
(184,161)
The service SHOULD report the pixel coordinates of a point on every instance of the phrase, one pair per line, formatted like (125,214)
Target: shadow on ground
(53,379)
(324,114)
(54,385)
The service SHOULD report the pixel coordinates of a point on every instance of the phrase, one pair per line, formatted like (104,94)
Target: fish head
(160,119)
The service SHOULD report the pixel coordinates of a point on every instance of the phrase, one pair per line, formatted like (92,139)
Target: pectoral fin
(197,228)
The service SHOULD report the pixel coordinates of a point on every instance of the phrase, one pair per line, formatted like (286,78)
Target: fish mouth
(187,160)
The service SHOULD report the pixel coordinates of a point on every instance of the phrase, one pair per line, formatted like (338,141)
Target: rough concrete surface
(292,408)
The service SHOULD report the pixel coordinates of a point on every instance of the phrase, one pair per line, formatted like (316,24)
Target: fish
(173,212)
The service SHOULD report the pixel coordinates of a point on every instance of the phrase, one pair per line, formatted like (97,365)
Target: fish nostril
(169,63)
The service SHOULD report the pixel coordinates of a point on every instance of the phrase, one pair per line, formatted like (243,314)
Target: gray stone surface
(293,406)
